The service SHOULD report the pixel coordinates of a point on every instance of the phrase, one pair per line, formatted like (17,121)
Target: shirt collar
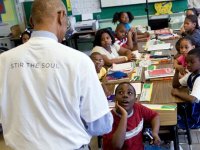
(44,34)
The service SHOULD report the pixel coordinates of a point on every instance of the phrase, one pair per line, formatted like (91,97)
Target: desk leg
(187,126)
(176,140)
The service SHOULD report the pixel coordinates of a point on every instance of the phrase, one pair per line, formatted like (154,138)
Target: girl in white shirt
(104,44)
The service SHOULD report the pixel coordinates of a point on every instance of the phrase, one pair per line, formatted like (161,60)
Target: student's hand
(121,109)
(181,70)
(132,30)
(156,139)
(174,91)
(131,57)
(182,30)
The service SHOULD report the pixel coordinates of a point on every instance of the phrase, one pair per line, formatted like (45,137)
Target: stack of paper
(146,92)
(124,67)
(159,46)
(160,107)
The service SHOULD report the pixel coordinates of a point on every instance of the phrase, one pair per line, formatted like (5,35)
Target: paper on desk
(160,107)
(123,67)
(146,92)
(137,86)
(87,17)
(159,46)
(137,54)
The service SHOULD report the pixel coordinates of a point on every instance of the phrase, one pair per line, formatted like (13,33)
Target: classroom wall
(107,13)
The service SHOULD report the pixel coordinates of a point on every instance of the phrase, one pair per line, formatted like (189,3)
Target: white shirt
(48,92)
(114,51)
(193,3)
(196,87)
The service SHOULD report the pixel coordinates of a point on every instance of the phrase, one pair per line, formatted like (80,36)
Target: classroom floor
(94,146)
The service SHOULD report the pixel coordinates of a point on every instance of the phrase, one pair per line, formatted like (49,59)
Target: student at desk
(101,71)
(124,38)
(104,43)
(129,118)
(192,81)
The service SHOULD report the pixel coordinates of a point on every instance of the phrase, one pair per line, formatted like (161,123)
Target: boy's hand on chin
(121,109)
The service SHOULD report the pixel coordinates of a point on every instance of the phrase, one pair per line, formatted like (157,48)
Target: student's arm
(155,124)
(183,95)
(180,68)
(118,137)
(175,82)
(129,40)
(109,62)
(126,52)
(152,117)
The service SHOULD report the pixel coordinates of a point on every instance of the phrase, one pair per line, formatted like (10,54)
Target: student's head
(123,17)
(25,36)
(191,11)
(186,44)
(120,31)
(193,60)
(125,95)
(178,46)
(98,61)
(191,23)
(104,38)
(49,15)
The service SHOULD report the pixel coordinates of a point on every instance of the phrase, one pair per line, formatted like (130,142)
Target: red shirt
(133,139)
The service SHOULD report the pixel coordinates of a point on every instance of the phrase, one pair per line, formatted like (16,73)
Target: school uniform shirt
(127,26)
(133,139)
(196,87)
(114,51)
(122,42)
(182,61)
(195,35)
(102,73)
(50,96)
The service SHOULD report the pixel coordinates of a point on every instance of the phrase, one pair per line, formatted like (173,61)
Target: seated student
(129,118)
(104,43)
(192,81)
(186,44)
(177,46)
(126,18)
(191,27)
(124,38)
(101,71)
(190,11)
(25,36)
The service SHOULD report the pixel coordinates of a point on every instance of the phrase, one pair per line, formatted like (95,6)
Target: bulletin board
(112,3)
(85,6)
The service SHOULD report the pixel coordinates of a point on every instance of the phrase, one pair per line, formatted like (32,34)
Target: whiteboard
(111,3)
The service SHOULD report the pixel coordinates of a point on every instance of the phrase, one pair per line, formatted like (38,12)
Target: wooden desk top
(167,117)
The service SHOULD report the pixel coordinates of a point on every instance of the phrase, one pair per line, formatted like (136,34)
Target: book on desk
(163,73)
